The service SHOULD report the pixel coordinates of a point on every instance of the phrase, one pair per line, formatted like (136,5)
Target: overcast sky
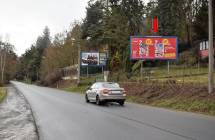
(24,20)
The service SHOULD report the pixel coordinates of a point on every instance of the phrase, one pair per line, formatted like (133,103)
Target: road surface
(62,115)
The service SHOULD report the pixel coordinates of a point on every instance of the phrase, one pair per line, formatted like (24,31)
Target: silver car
(102,92)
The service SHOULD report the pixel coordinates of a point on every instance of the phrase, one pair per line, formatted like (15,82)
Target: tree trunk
(3,63)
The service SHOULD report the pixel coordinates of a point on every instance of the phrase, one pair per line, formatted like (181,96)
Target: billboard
(93,59)
(203,48)
(154,47)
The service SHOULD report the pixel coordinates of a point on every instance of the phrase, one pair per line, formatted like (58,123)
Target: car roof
(105,83)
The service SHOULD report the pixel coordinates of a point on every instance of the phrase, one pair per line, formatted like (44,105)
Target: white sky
(24,20)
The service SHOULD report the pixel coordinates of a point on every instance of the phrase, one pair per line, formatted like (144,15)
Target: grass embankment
(203,106)
(182,97)
(3,94)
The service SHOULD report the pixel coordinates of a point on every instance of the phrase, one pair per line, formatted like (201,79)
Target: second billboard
(93,59)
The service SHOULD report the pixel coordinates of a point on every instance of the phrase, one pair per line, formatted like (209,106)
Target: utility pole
(211,49)
(79,57)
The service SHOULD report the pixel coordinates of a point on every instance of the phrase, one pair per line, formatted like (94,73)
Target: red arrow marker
(155,24)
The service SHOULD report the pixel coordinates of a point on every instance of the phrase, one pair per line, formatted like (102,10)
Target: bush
(1,84)
(189,57)
(52,78)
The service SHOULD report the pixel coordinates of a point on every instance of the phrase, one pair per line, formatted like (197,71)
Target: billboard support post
(103,73)
(106,73)
(198,65)
(141,70)
(211,52)
(87,72)
(168,67)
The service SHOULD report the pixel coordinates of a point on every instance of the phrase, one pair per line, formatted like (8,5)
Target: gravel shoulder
(16,119)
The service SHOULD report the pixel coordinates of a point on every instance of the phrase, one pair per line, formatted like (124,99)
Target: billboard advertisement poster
(93,59)
(89,58)
(151,47)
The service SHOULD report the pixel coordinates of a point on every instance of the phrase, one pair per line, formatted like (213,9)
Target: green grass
(204,106)
(135,99)
(189,75)
(191,105)
(194,79)
(3,94)
(178,71)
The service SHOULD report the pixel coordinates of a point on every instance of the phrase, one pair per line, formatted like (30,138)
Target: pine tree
(93,23)
(171,17)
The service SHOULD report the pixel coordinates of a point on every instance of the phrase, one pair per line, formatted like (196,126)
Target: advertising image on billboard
(93,59)
(89,59)
(165,48)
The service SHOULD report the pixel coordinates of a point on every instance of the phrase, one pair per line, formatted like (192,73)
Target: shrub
(52,78)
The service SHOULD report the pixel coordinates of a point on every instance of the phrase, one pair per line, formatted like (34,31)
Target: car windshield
(110,85)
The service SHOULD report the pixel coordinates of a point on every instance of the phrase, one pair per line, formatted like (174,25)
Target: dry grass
(3,93)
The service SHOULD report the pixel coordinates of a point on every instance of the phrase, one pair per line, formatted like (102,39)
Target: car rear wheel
(98,102)
(86,98)
(121,103)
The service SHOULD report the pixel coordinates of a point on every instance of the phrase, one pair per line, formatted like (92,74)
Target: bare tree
(3,54)
(5,47)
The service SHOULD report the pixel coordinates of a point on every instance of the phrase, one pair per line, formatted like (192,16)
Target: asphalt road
(62,115)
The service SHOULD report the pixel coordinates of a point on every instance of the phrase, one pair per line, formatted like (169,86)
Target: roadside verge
(16,118)
(3,93)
